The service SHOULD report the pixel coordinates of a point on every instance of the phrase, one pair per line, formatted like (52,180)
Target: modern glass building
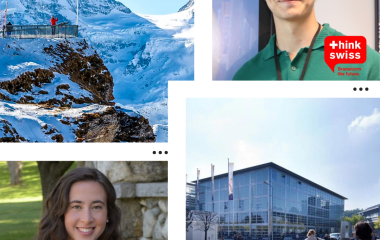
(298,204)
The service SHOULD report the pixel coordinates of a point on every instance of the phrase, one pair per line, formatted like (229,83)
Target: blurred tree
(50,173)
(189,218)
(377,223)
(205,221)
(348,213)
(15,172)
(354,219)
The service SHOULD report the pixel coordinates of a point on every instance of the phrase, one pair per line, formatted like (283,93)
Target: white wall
(350,17)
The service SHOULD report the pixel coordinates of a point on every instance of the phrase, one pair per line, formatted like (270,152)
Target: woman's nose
(86,216)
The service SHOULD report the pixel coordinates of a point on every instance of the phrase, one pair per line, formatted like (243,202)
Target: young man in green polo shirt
(296,30)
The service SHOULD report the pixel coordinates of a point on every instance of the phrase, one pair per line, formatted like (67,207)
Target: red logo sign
(345,49)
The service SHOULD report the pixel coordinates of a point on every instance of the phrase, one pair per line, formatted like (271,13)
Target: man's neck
(291,36)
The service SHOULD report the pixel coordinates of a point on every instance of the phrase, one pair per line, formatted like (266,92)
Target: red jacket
(53,21)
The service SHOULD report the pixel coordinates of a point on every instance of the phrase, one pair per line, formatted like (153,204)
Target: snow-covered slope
(35,124)
(140,52)
(58,99)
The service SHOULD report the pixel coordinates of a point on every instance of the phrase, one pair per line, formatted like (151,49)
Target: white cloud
(247,155)
(362,123)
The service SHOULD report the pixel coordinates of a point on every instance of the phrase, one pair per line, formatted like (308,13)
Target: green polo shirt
(262,66)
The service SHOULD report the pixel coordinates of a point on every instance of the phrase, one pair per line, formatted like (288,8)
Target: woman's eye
(97,207)
(76,207)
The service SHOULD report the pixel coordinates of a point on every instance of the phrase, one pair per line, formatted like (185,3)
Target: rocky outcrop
(108,125)
(38,78)
(113,125)
(8,133)
(26,81)
(72,61)
(89,72)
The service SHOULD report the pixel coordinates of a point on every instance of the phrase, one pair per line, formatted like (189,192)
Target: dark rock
(42,92)
(113,126)
(26,99)
(10,133)
(66,122)
(62,86)
(57,138)
(89,72)
(26,81)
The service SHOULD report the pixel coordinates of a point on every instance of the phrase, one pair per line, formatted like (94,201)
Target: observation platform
(39,31)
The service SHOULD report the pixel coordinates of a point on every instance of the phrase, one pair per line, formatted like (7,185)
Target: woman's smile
(86,231)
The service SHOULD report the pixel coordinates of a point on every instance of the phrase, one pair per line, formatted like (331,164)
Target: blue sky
(154,7)
(332,142)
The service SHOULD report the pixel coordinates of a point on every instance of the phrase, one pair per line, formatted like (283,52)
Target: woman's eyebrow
(96,201)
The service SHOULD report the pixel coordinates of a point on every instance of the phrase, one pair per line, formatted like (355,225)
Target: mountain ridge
(187,6)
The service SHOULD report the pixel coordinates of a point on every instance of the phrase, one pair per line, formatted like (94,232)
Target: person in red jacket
(53,22)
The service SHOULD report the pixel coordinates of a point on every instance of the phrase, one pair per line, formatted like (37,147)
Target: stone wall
(142,195)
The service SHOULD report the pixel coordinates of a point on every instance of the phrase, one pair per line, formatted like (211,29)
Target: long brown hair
(363,230)
(52,226)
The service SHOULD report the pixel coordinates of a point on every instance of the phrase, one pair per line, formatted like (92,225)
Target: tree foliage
(377,223)
(50,173)
(354,219)
(349,213)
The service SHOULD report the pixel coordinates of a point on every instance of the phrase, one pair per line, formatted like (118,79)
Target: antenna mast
(6,10)
(77,10)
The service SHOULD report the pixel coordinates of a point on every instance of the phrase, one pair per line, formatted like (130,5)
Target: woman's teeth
(85,229)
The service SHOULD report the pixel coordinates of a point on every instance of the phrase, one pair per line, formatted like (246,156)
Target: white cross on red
(333,44)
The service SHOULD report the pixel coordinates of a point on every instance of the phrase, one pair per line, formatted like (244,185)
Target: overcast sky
(332,142)
(154,7)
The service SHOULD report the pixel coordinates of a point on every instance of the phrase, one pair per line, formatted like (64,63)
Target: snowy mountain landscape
(107,85)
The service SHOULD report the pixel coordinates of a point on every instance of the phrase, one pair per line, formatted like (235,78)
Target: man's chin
(290,15)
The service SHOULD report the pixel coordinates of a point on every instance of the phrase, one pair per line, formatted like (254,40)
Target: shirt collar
(319,42)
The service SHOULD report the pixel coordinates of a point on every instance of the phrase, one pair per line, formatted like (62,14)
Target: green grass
(20,206)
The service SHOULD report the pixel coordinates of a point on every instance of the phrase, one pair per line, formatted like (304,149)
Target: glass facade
(190,197)
(297,206)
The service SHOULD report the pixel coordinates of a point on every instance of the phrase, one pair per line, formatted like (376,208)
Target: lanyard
(307,57)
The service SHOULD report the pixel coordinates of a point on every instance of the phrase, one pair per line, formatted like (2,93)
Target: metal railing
(40,31)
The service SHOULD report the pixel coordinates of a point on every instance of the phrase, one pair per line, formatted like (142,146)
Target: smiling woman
(81,206)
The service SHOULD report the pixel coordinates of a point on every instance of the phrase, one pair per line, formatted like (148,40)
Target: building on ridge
(371,214)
